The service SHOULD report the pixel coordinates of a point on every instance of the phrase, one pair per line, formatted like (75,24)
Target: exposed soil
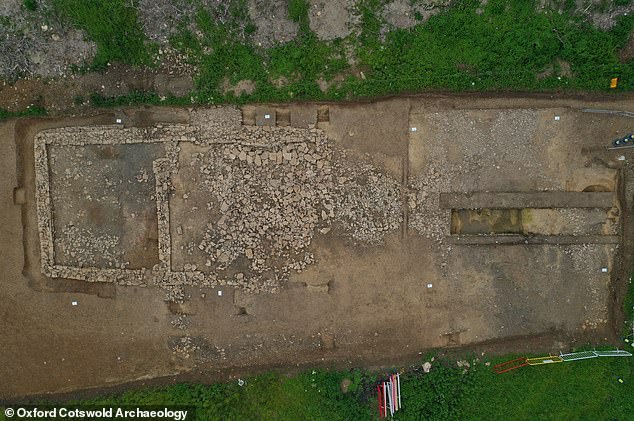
(242,87)
(331,19)
(405,13)
(36,46)
(272,22)
(64,96)
(356,300)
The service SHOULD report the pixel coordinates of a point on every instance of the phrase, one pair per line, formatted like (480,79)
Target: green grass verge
(113,26)
(309,396)
(581,390)
(597,389)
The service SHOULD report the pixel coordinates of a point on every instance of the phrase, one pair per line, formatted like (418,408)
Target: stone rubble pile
(275,188)
(368,203)
(103,248)
(426,216)
(271,199)
(181,322)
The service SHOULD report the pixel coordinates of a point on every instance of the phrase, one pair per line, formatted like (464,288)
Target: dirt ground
(209,243)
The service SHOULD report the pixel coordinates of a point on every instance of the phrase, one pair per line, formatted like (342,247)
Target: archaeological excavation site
(156,242)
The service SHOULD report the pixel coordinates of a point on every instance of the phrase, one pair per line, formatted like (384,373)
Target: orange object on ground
(510,365)
(614,82)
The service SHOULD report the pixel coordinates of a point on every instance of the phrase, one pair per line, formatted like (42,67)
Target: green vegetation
(309,396)
(30,5)
(113,26)
(582,390)
(467,47)
(298,12)
(283,72)
(34,111)
(460,49)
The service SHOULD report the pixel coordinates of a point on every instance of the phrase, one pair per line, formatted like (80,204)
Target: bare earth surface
(220,241)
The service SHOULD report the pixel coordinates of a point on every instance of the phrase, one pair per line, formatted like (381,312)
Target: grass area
(225,57)
(30,5)
(113,26)
(298,12)
(462,50)
(503,45)
(583,390)
(459,50)
(34,111)
(312,395)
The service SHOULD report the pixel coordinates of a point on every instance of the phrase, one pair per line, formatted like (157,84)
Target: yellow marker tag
(620,380)
(614,82)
